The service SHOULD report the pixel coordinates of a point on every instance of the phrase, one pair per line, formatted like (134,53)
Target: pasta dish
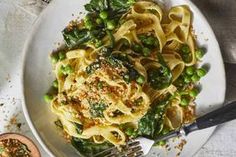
(128,69)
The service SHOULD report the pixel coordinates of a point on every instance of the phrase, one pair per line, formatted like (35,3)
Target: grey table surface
(16,19)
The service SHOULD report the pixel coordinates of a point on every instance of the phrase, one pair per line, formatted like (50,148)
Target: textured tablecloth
(16,19)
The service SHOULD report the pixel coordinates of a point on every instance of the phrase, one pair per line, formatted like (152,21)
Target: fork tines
(132,149)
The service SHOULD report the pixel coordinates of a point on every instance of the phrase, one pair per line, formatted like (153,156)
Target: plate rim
(37,23)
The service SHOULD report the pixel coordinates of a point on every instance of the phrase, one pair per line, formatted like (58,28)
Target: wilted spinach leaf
(87,147)
(160,78)
(151,123)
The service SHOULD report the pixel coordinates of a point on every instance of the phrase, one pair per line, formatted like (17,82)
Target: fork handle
(218,116)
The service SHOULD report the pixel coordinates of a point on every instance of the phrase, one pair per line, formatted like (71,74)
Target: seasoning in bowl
(16,145)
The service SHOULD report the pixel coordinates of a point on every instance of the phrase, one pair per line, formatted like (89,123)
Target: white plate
(37,77)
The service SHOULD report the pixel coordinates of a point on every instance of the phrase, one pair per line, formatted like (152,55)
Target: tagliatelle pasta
(98,94)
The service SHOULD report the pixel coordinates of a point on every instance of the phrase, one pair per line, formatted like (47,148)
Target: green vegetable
(201,72)
(96,5)
(126,78)
(55,84)
(137,48)
(184,101)
(146,51)
(98,43)
(99,21)
(193,93)
(121,5)
(187,79)
(88,24)
(190,70)
(129,131)
(160,143)
(61,55)
(151,123)
(165,131)
(195,78)
(88,147)
(100,85)
(140,80)
(2,149)
(75,37)
(149,41)
(79,128)
(124,44)
(87,18)
(54,58)
(96,109)
(160,78)
(185,49)
(47,98)
(111,24)
(67,69)
(103,15)
(142,37)
(199,53)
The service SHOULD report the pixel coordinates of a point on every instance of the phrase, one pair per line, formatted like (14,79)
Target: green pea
(140,80)
(161,143)
(62,55)
(146,51)
(99,21)
(150,41)
(195,78)
(190,70)
(103,15)
(185,49)
(193,93)
(61,71)
(55,84)
(137,48)
(187,79)
(68,69)
(184,102)
(199,53)
(111,25)
(54,58)
(88,24)
(129,131)
(47,98)
(201,72)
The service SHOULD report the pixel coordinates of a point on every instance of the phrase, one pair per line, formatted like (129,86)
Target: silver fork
(141,146)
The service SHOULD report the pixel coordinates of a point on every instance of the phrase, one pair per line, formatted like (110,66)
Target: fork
(141,146)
